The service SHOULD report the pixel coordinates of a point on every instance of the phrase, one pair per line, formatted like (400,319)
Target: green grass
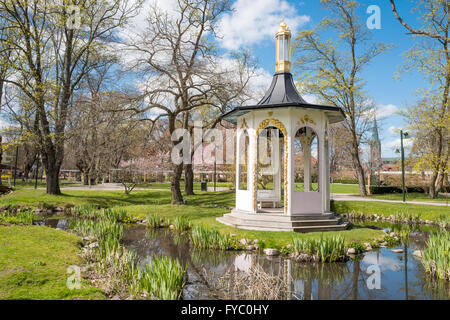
(424,212)
(34,261)
(166,185)
(42,184)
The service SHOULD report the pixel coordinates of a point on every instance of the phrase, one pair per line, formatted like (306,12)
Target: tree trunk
(52,178)
(177,197)
(432,185)
(359,172)
(188,180)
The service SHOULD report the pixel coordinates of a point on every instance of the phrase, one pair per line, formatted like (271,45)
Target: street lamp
(402,151)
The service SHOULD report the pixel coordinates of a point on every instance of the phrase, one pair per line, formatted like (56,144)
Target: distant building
(375,161)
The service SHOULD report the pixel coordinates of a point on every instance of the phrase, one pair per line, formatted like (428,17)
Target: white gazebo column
(276,164)
(324,170)
(252,146)
(289,162)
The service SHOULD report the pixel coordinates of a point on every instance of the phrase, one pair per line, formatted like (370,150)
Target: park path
(353,197)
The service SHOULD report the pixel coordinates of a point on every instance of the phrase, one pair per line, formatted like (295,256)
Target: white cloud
(393,130)
(392,145)
(253,21)
(386,110)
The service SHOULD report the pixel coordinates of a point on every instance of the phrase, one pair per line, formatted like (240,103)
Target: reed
(325,249)
(162,278)
(153,221)
(436,256)
(443,221)
(22,217)
(181,223)
(86,211)
(206,238)
(406,217)
(116,214)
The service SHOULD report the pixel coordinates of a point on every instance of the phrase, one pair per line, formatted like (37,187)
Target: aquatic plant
(436,256)
(443,221)
(359,247)
(162,278)
(328,249)
(87,211)
(207,238)
(406,217)
(116,214)
(153,220)
(22,217)
(181,223)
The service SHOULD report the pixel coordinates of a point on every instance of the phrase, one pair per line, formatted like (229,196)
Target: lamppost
(402,151)
(15,165)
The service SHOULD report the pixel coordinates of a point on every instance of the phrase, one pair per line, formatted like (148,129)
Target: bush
(384,189)
(346,180)
(395,189)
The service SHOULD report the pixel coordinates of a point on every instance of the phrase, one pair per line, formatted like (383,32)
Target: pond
(401,274)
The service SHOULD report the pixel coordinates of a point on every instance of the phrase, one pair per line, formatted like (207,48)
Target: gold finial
(283,25)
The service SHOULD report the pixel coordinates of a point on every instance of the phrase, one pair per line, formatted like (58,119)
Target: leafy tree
(429,119)
(331,68)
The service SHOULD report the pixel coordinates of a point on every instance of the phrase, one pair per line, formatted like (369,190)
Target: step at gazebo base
(278,222)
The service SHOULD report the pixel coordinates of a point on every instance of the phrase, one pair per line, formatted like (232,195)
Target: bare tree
(178,62)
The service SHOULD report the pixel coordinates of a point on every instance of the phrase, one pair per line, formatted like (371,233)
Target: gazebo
(282,162)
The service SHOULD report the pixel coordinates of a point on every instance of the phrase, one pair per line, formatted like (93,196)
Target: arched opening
(270,168)
(306,161)
(244,141)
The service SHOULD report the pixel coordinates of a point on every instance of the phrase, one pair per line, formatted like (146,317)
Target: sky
(253,24)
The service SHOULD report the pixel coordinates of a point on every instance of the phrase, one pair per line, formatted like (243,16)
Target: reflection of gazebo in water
(282,171)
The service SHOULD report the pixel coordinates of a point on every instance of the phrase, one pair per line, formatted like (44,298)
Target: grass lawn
(34,261)
(344,188)
(426,212)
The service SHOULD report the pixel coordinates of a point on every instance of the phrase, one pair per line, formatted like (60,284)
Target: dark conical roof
(282,93)
(282,90)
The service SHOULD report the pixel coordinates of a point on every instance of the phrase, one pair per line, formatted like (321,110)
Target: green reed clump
(325,249)
(153,221)
(406,217)
(305,246)
(206,238)
(181,223)
(116,214)
(22,217)
(436,256)
(443,221)
(162,278)
(87,211)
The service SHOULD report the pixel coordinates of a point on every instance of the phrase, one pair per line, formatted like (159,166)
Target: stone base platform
(271,220)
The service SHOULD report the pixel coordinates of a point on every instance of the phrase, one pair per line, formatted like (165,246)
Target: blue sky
(388,94)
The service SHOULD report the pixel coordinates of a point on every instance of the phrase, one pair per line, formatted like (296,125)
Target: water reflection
(63,223)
